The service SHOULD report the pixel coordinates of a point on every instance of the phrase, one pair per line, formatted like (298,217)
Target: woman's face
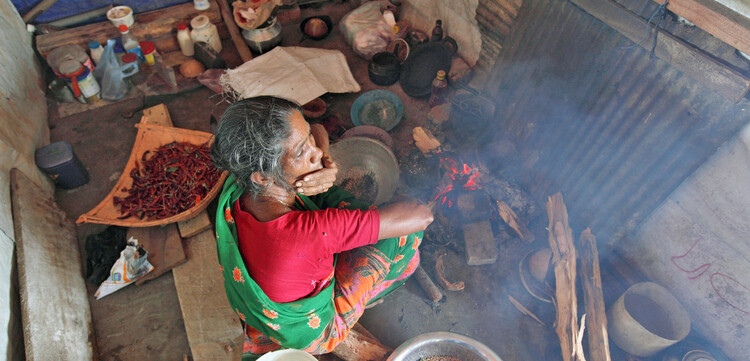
(301,155)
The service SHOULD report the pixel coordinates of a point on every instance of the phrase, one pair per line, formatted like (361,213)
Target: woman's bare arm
(405,217)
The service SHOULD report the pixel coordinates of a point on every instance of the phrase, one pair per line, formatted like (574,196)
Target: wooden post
(564,261)
(591,281)
(514,222)
(234,32)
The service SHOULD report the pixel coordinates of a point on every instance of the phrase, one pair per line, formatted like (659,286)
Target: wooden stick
(430,289)
(525,310)
(493,22)
(593,299)
(234,32)
(440,271)
(690,60)
(514,222)
(500,15)
(564,261)
(360,345)
(37,10)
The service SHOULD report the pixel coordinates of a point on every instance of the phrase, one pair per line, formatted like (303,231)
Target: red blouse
(291,257)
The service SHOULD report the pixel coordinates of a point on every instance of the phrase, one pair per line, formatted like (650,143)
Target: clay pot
(539,264)
(384,69)
(315,108)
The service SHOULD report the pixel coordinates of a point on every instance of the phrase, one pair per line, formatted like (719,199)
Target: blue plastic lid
(94,44)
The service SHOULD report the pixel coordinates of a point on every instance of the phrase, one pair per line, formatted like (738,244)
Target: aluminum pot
(446,344)
(265,37)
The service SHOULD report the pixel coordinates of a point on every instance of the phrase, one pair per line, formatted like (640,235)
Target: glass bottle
(130,42)
(96,51)
(184,39)
(439,89)
(437,31)
(204,30)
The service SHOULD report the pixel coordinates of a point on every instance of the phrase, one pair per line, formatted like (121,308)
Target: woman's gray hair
(250,138)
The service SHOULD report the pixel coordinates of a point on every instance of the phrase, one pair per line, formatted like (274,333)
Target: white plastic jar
(204,31)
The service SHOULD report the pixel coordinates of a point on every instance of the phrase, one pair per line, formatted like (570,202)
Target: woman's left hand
(319,181)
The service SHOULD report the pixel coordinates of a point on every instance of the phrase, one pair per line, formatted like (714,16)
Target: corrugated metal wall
(614,130)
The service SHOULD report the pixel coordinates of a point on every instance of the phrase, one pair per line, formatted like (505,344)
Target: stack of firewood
(495,19)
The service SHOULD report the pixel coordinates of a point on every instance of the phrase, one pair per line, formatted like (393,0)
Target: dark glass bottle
(437,32)
(439,89)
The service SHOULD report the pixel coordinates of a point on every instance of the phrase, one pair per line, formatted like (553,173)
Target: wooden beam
(690,60)
(512,220)
(593,298)
(716,19)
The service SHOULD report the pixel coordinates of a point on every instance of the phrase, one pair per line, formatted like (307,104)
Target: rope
(661,12)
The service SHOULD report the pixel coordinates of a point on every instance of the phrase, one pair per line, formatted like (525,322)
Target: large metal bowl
(361,158)
(443,344)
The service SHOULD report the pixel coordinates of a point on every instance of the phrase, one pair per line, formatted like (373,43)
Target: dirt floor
(144,322)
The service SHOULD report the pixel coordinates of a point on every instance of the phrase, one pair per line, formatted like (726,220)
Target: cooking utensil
(445,344)
(265,37)
(381,108)
(422,65)
(303,26)
(367,168)
(370,131)
(384,68)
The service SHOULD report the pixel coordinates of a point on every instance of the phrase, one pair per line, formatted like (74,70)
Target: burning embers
(462,177)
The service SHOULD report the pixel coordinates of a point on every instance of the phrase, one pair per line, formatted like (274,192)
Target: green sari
(299,323)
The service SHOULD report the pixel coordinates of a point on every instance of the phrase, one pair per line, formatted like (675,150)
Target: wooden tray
(150,137)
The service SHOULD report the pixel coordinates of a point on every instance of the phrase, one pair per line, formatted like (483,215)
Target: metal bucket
(647,319)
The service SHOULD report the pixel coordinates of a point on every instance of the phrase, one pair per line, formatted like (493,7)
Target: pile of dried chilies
(170,180)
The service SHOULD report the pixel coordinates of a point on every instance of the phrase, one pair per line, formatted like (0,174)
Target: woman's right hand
(404,217)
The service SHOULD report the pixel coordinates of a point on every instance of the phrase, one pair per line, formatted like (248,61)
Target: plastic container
(60,162)
(96,51)
(201,4)
(149,50)
(68,52)
(184,39)
(131,69)
(204,31)
(121,15)
(85,87)
(647,319)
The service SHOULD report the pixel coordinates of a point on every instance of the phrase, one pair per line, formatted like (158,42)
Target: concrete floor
(144,322)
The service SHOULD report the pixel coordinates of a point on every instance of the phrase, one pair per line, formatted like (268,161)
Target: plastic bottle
(149,50)
(130,42)
(184,39)
(439,89)
(204,31)
(437,31)
(96,51)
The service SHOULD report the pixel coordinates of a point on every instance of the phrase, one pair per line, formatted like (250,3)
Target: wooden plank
(512,220)
(54,302)
(593,298)
(164,246)
(213,328)
(716,19)
(158,114)
(692,61)
(149,25)
(564,262)
(195,225)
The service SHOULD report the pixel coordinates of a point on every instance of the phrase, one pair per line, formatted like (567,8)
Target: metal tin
(60,162)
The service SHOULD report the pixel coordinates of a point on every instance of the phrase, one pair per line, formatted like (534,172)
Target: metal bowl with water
(443,345)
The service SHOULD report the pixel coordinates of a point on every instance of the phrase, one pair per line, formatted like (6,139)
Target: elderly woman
(301,258)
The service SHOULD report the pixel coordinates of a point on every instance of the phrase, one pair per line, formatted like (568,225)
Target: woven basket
(150,137)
